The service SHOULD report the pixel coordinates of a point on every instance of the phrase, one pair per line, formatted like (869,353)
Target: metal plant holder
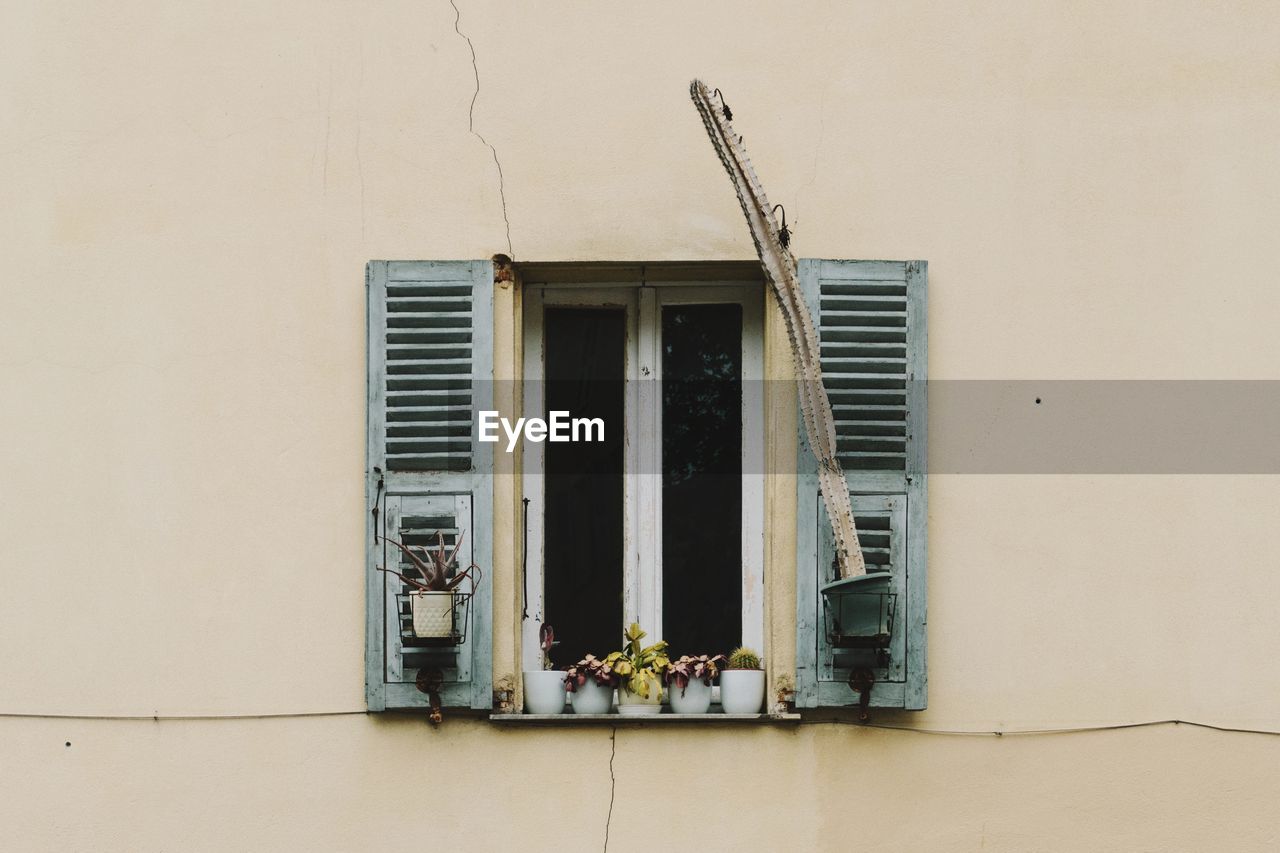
(459,617)
(860,611)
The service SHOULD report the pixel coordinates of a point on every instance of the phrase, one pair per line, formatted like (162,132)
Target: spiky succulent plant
(439,572)
(743,658)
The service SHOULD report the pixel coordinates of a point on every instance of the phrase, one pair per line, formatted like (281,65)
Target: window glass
(702,477)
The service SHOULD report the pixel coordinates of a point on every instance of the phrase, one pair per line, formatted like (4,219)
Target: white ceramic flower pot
(693,699)
(634,705)
(432,614)
(544,691)
(592,698)
(742,691)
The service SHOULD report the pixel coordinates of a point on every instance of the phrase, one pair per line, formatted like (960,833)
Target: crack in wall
(471,124)
(613,784)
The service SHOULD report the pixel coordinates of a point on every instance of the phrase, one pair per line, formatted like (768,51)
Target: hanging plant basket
(434,618)
(433,604)
(860,611)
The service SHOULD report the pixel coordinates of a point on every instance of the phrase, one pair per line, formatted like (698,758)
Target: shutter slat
(870,427)
(428,271)
(429,414)
(424,400)
(430,366)
(871,461)
(419,351)
(877,444)
(413,429)
(458,383)
(430,319)
(872,364)
(863,334)
(864,288)
(863,302)
(429,446)
(888,414)
(423,335)
(428,462)
(859,381)
(862,319)
(864,349)
(858,397)
(428,304)
(429,289)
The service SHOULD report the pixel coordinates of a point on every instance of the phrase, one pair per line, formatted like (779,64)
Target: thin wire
(1055,731)
(159,717)
(850,722)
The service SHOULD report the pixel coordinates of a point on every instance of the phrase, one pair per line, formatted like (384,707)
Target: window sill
(659,719)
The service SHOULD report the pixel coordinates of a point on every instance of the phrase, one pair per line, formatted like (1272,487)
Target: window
(662,523)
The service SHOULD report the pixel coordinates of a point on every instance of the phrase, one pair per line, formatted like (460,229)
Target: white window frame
(642,525)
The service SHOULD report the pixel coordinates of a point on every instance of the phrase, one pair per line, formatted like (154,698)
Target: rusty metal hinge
(430,679)
(862,680)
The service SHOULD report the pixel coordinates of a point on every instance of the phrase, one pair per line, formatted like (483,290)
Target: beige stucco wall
(191,193)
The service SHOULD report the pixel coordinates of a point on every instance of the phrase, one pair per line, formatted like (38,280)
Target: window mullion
(646,436)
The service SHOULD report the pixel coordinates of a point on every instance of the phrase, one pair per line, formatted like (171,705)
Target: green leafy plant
(743,658)
(637,666)
(590,667)
(439,569)
(689,668)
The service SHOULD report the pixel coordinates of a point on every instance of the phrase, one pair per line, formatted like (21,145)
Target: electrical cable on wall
(1106,727)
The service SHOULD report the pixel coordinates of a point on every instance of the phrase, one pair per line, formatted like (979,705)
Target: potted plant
(639,672)
(544,689)
(742,683)
(590,683)
(689,680)
(432,600)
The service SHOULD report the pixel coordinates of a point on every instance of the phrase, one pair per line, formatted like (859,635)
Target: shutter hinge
(377,500)
(430,679)
(862,680)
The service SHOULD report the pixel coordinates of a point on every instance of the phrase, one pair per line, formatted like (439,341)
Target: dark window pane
(585,358)
(702,477)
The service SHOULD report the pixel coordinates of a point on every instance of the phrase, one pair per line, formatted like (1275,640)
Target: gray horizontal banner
(1104,427)
(974,426)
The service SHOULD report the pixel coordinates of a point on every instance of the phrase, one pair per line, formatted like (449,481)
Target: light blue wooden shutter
(871,321)
(430,338)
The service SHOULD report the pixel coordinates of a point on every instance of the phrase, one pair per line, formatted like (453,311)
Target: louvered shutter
(870,317)
(430,356)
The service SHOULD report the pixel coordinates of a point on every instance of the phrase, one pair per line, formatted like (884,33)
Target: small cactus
(744,658)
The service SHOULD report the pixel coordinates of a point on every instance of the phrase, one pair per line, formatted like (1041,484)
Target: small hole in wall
(1037,401)
(68,744)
